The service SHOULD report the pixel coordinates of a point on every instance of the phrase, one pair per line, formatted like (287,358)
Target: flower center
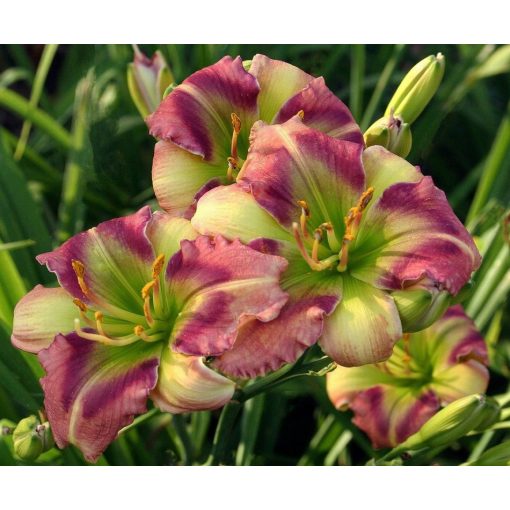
(113,331)
(352,222)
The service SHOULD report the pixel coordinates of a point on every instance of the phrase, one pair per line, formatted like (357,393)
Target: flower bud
(31,438)
(449,424)
(390,133)
(491,414)
(420,305)
(148,79)
(417,89)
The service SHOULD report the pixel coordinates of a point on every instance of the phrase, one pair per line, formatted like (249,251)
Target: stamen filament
(119,342)
(317,238)
(315,265)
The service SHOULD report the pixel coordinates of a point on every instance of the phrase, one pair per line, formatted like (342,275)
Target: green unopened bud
(420,306)
(417,89)
(449,424)
(490,416)
(390,133)
(148,79)
(31,438)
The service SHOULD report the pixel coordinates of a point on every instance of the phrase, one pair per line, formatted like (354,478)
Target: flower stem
(223,434)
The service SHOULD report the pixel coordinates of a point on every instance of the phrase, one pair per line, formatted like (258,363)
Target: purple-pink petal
(196,114)
(92,391)
(322,111)
(215,285)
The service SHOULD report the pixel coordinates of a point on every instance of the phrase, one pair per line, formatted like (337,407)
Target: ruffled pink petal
(91,391)
(410,233)
(196,114)
(215,284)
(323,111)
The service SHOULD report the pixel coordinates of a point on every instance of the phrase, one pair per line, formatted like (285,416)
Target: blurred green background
(87,158)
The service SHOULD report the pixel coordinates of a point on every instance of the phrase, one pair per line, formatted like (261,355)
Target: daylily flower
(142,301)
(429,369)
(204,123)
(374,248)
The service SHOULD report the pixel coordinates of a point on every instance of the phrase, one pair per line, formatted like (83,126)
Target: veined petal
(409,233)
(261,347)
(196,114)
(344,383)
(291,162)
(40,315)
(383,168)
(458,354)
(235,214)
(186,384)
(322,111)
(177,175)
(389,414)
(116,257)
(166,232)
(364,327)
(92,391)
(278,82)
(214,285)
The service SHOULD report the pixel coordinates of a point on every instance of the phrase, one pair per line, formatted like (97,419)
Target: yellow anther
(305,216)
(326,226)
(301,114)
(352,222)
(365,198)
(157,266)
(236,124)
(80,304)
(79,270)
(140,332)
(83,309)
(147,289)
(99,323)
